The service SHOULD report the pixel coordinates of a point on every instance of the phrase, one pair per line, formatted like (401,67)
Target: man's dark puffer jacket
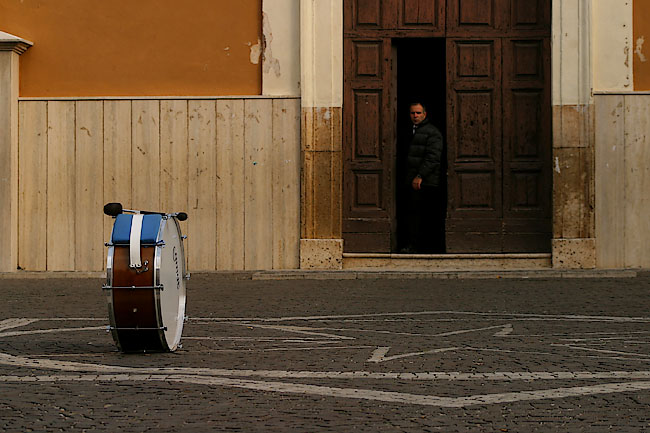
(424,154)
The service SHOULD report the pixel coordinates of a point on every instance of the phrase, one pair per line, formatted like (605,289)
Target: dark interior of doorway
(421,76)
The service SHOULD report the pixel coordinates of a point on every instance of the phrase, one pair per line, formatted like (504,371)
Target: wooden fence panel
(89,177)
(173,156)
(174,159)
(202,194)
(258,222)
(637,181)
(230,185)
(286,184)
(32,186)
(145,187)
(609,182)
(61,240)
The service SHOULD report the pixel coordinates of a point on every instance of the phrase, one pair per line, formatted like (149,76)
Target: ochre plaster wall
(641,45)
(137,48)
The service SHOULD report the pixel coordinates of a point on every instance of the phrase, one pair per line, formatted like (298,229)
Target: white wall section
(571,52)
(613,46)
(281,47)
(321,52)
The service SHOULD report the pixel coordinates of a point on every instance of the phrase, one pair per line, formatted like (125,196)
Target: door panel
(367,132)
(476,17)
(368,140)
(527,144)
(500,145)
(530,17)
(426,15)
(474,141)
(474,109)
(361,16)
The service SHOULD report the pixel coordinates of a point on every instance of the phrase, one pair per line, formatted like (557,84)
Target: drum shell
(133,303)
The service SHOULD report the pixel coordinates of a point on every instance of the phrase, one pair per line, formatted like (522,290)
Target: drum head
(170,273)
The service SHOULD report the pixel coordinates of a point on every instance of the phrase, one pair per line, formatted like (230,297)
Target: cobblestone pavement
(491,355)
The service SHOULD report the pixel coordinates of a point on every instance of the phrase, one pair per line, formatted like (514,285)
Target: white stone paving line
(15,323)
(612,352)
(379,355)
(639,358)
(50,331)
(352,393)
(73,366)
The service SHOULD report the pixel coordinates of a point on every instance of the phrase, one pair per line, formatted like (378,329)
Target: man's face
(417,114)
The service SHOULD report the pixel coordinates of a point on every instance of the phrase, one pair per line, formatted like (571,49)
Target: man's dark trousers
(422,219)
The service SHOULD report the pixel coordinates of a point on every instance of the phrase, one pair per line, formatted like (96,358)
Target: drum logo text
(178,273)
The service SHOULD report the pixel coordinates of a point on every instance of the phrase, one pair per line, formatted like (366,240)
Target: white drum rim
(109,295)
(176,336)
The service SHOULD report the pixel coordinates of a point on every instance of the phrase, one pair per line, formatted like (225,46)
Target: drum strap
(134,243)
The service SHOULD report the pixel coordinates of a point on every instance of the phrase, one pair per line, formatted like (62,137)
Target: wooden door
(475,199)
(369,113)
(498,121)
(368,150)
(527,179)
(499,126)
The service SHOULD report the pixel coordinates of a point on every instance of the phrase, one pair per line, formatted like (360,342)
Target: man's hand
(417,183)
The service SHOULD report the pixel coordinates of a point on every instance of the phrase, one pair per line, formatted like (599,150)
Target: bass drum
(147,303)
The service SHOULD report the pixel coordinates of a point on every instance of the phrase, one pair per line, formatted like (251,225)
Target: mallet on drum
(114,209)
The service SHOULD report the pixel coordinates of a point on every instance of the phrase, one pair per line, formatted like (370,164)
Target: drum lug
(187,276)
(141,269)
(184,237)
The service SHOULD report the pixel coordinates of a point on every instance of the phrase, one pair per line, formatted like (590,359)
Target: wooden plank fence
(232,164)
(622,158)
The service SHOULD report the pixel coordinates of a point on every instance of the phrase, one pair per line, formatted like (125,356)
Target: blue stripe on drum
(122,229)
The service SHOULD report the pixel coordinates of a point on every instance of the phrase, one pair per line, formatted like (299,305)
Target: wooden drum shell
(134,303)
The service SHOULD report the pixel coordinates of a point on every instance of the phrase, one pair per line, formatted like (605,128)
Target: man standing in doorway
(422,175)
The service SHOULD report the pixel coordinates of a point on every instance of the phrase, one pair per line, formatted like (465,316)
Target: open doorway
(421,77)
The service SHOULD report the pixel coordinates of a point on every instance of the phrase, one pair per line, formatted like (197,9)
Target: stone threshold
(447,262)
(393,274)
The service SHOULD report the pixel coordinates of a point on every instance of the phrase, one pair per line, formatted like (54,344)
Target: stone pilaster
(321,59)
(573,136)
(10,49)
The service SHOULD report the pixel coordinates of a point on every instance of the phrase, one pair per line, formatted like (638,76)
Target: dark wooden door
(498,121)
(474,118)
(499,126)
(368,151)
(369,113)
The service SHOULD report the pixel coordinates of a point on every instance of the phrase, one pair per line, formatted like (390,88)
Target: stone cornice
(9,42)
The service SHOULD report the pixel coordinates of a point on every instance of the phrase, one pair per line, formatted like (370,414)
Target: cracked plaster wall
(137,48)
